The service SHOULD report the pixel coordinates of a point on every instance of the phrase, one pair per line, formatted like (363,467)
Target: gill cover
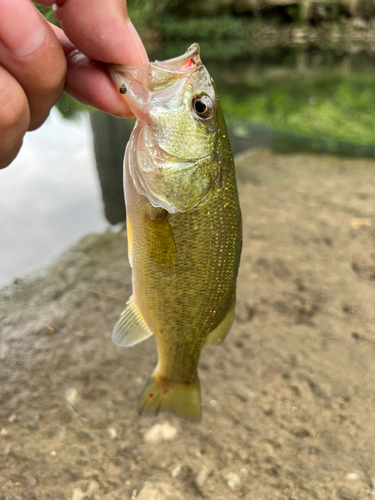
(170,153)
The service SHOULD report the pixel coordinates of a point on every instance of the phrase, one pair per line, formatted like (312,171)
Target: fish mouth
(179,63)
(138,83)
(191,56)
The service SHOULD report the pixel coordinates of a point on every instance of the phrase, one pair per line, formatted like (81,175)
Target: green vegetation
(327,106)
(47,13)
(219,28)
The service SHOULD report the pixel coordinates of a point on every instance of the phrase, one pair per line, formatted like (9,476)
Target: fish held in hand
(184,224)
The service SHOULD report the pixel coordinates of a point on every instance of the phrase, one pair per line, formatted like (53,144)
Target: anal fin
(217,335)
(131,328)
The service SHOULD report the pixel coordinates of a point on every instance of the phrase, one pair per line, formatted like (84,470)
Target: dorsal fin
(131,328)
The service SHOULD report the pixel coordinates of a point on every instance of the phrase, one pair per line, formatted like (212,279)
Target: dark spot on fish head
(123,89)
(150,396)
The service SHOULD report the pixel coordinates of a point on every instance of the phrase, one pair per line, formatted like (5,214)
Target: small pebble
(112,433)
(176,471)
(233,481)
(159,433)
(12,418)
(201,478)
(77,494)
(3,432)
(71,396)
(53,453)
(352,476)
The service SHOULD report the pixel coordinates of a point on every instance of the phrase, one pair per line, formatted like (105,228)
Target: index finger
(89,82)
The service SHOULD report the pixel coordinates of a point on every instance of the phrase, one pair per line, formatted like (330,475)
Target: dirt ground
(288,399)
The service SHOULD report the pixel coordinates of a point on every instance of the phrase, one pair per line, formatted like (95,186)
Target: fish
(183,225)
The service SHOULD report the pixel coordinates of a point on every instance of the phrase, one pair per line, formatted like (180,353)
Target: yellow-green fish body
(184,225)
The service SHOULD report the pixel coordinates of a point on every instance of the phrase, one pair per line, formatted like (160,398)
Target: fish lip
(193,50)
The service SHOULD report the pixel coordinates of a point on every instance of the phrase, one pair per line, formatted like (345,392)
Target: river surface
(49,196)
(288,101)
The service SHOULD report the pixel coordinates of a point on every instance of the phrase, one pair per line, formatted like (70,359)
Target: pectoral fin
(217,336)
(131,328)
(160,241)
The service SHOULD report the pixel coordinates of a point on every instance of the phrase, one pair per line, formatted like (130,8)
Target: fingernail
(22,29)
(142,54)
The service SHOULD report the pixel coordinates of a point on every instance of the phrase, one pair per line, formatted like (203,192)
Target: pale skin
(38,61)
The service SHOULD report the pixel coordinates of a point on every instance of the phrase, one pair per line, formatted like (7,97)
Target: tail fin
(182,400)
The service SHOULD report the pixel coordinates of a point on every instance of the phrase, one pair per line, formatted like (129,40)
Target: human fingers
(88,81)
(14,117)
(30,52)
(101,30)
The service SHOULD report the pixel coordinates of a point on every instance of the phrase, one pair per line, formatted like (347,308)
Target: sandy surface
(288,399)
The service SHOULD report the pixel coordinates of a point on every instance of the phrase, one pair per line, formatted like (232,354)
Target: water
(286,100)
(49,196)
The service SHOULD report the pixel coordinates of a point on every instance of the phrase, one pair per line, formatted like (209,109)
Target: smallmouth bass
(183,222)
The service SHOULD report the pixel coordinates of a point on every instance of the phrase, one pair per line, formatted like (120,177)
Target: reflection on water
(110,138)
(49,196)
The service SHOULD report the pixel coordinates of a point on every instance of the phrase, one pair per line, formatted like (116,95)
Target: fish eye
(202,106)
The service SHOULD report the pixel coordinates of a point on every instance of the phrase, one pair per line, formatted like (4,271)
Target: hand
(37,60)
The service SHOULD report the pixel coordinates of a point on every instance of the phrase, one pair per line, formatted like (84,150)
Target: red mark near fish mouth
(150,396)
(188,64)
